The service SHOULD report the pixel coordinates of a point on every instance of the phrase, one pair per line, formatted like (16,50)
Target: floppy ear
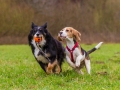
(45,25)
(77,35)
(59,38)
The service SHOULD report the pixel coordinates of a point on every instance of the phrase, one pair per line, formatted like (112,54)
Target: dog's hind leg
(58,69)
(87,64)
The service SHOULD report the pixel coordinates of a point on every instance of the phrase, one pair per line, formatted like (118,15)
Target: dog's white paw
(77,64)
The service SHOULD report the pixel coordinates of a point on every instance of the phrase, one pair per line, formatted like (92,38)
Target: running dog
(48,52)
(76,56)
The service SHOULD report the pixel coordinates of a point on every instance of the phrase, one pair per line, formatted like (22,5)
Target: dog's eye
(34,30)
(67,30)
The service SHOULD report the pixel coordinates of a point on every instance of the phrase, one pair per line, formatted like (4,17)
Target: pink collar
(71,51)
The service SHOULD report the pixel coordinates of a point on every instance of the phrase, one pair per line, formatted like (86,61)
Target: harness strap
(39,47)
(71,51)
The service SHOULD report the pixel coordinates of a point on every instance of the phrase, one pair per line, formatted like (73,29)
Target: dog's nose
(61,33)
(37,34)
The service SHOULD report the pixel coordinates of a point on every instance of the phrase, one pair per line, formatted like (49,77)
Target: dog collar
(71,51)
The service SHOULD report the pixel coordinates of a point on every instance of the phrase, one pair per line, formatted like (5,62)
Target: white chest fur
(40,57)
(36,51)
(76,53)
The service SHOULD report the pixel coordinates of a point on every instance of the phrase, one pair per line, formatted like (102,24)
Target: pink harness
(71,51)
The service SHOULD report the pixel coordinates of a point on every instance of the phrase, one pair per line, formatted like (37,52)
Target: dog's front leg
(69,62)
(78,60)
(49,68)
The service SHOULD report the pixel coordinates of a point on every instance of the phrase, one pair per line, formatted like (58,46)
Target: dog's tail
(95,48)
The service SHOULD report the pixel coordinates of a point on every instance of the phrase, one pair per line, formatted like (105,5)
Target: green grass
(19,70)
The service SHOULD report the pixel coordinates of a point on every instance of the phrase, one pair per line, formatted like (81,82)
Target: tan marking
(51,67)
(47,54)
(73,33)
(69,32)
(76,34)
(59,38)
(80,50)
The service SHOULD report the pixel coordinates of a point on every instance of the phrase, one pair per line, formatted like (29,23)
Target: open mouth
(62,36)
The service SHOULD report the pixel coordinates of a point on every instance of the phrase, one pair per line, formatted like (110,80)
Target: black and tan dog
(49,52)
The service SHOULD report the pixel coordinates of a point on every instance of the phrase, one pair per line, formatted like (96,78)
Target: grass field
(20,71)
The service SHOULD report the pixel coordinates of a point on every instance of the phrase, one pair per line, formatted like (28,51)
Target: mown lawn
(20,71)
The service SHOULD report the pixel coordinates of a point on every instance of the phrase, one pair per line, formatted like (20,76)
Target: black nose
(61,33)
(37,34)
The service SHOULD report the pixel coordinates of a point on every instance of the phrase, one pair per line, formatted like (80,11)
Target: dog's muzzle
(61,35)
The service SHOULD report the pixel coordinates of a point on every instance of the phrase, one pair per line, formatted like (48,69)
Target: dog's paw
(77,64)
(57,69)
(49,70)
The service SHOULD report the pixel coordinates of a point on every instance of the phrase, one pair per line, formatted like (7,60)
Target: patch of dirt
(100,62)
(116,58)
(102,73)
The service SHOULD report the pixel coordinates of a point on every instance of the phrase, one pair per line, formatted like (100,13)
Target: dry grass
(14,18)
(98,20)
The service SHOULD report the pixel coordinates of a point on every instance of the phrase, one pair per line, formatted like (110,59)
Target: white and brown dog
(76,56)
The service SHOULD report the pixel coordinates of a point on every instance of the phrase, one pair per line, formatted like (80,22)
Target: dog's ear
(45,25)
(32,25)
(45,30)
(76,34)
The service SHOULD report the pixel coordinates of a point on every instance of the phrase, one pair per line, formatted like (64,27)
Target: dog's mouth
(38,39)
(62,36)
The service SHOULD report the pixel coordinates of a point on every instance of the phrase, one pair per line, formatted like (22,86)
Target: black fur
(52,46)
